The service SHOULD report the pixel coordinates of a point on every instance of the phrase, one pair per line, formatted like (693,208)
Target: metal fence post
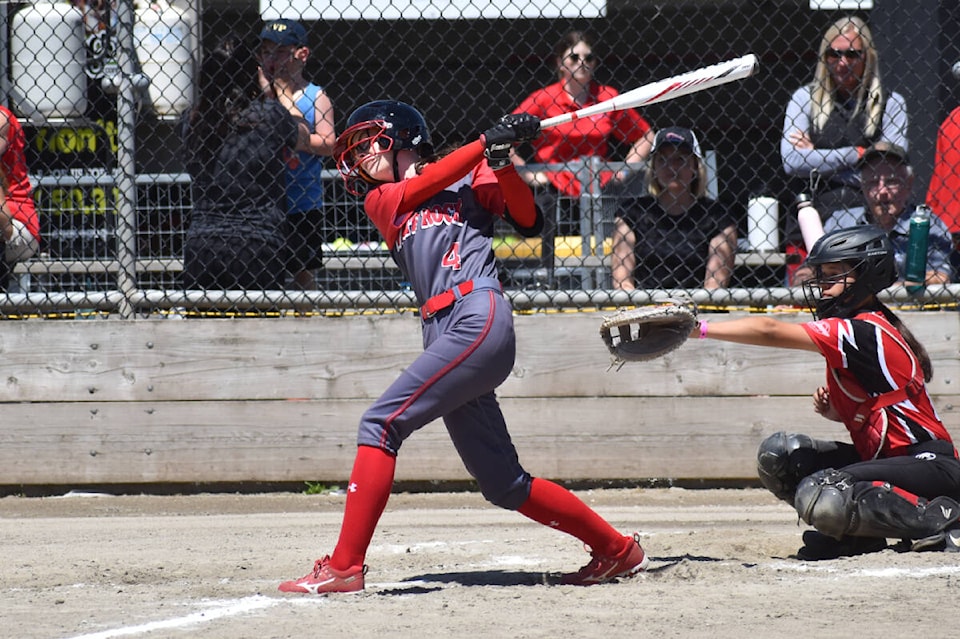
(130,82)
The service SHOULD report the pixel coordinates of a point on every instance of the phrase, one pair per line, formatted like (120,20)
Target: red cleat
(603,570)
(324,579)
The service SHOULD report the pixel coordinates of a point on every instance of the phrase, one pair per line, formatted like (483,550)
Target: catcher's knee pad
(825,500)
(783,459)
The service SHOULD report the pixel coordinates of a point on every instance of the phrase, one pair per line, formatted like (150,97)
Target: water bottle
(917,250)
(809,219)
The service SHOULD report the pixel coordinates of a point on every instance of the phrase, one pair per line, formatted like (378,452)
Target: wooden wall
(158,401)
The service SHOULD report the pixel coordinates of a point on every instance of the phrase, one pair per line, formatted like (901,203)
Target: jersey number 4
(451,259)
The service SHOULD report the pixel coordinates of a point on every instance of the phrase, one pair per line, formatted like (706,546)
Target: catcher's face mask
(834,291)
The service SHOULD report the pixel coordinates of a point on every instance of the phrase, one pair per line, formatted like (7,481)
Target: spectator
(19,225)
(829,122)
(283,55)
(887,185)
(235,145)
(676,237)
(943,196)
(576,62)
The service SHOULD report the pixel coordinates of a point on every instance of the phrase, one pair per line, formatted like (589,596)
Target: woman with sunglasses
(576,88)
(830,122)
(899,476)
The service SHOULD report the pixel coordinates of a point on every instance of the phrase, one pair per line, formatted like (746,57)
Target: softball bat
(667,89)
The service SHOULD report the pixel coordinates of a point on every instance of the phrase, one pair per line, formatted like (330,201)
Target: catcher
(900,478)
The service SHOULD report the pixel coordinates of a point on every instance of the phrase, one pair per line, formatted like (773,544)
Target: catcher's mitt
(659,329)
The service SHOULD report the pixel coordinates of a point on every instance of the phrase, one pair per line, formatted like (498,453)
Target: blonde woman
(675,237)
(831,121)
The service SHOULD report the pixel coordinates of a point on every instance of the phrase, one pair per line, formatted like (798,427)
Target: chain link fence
(101,91)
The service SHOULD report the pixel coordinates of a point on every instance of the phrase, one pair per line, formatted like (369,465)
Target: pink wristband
(703,329)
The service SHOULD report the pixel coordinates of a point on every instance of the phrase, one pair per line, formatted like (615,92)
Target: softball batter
(900,478)
(437,217)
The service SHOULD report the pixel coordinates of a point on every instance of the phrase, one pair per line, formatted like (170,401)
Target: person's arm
(323,136)
(757,331)
(6,215)
(797,152)
(720,258)
(895,121)
(938,253)
(640,150)
(438,175)
(822,405)
(946,170)
(623,260)
(303,130)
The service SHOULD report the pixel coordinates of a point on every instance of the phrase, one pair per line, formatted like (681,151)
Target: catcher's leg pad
(833,503)
(783,459)
(825,501)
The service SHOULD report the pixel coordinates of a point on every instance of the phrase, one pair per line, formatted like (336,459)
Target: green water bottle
(917,249)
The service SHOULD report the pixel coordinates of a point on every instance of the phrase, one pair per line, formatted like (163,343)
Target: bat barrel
(668,89)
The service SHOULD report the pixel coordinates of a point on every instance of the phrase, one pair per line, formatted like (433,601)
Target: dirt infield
(445,565)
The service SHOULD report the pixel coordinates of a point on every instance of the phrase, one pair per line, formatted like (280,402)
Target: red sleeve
(389,205)
(823,333)
(505,190)
(440,174)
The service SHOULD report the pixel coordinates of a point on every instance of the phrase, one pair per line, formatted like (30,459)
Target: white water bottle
(809,219)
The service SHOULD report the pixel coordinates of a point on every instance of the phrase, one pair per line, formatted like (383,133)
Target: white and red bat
(668,89)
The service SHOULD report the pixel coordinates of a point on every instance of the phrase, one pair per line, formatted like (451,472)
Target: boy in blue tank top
(283,56)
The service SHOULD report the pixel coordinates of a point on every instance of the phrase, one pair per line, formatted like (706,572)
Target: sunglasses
(576,57)
(849,54)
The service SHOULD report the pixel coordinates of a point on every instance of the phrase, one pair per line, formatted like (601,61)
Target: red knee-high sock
(367,495)
(555,506)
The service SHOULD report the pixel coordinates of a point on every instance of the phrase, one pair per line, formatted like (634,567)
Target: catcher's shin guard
(783,459)
(834,504)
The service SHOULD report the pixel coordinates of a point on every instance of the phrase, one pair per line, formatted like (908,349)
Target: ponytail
(925,364)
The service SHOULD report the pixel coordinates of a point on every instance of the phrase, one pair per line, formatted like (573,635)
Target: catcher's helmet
(375,128)
(868,250)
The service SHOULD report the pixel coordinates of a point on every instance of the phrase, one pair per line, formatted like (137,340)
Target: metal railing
(85,261)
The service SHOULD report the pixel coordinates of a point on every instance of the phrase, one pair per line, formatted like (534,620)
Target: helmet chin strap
(396,168)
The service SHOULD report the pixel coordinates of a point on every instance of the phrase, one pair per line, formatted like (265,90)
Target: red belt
(446,299)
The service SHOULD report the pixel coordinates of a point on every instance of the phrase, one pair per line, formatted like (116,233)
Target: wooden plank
(281,441)
(358,357)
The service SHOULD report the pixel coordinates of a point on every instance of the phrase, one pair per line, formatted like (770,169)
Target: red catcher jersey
(866,356)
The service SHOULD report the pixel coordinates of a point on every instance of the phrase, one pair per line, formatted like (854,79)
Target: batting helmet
(868,251)
(375,128)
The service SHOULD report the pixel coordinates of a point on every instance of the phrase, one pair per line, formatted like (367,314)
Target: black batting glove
(498,139)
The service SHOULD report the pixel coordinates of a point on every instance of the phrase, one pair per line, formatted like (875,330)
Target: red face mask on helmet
(375,129)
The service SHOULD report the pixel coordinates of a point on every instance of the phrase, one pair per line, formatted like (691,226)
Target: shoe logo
(954,538)
(926,456)
(314,587)
(946,512)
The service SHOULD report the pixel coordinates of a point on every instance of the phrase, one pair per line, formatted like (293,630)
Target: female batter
(437,217)
(900,478)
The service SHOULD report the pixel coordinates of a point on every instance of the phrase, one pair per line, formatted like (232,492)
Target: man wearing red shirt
(943,196)
(19,225)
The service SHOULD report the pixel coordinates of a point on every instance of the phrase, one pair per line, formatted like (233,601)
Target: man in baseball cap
(285,33)
(886,179)
(895,153)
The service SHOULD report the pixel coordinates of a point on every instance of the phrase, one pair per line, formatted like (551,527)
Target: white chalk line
(226,608)
(234,607)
